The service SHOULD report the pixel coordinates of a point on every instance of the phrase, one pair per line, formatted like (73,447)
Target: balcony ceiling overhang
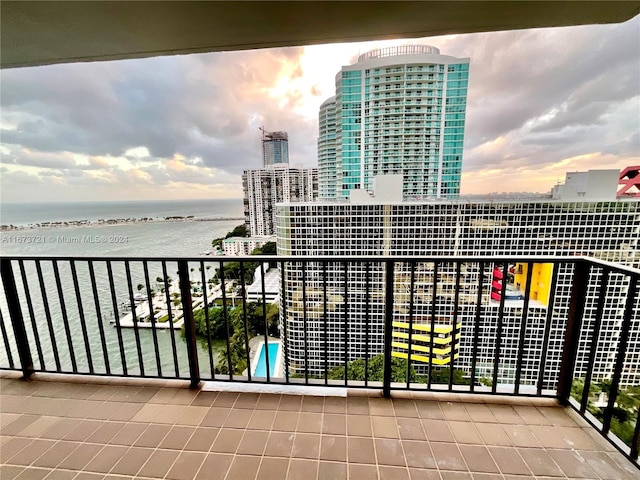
(48,32)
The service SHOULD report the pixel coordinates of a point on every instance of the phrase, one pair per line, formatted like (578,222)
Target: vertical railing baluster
(432,333)
(96,301)
(635,441)
(17,320)
(65,317)
(456,306)
(476,327)
(244,319)
(547,328)
(283,312)
(346,323)
(83,323)
(412,283)
(225,317)
(189,324)
(134,318)
(304,323)
(604,280)
(32,316)
(523,327)
(324,312)
(116,314)
(572,333)
(367,300)
(152,317)
(498,346)
(266,325)
(622,352)
(5,339)
(207,321)
(167,294)
(388,327)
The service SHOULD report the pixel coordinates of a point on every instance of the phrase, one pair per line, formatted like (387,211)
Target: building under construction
(275,148)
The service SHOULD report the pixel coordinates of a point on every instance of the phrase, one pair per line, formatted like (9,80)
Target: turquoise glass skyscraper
(398,110)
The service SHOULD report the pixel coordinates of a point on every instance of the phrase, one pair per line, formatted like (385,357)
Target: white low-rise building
(244,245)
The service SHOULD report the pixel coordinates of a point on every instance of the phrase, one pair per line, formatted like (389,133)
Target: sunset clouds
(541,102)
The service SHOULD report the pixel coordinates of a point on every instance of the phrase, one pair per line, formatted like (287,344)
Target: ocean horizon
(143,239)
(23,214)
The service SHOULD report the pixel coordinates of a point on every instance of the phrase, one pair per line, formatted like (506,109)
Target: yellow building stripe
(423,359)
(416,337)
(427,327)
(421,348)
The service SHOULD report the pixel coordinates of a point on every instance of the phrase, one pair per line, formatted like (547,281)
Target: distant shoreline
(112,221)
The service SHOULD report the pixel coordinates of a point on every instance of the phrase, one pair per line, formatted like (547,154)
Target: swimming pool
(260,369)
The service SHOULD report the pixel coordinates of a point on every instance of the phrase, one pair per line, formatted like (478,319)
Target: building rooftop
(399,50)
(153,429)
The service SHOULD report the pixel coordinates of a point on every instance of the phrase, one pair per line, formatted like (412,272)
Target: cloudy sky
(540,103)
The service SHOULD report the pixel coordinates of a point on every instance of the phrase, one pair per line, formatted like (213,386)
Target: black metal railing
(539,326)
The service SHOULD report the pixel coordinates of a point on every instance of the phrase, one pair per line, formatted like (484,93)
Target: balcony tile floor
(57,429)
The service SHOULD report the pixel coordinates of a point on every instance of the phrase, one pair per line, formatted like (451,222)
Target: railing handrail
(555,259)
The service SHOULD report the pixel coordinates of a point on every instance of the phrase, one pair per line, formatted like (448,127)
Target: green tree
(269,248)
(239,231)
(375,370)
(441,375)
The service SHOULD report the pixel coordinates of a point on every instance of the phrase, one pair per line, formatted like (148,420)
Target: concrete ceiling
(46,32)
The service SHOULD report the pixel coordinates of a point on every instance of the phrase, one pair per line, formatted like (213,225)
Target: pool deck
(114,429)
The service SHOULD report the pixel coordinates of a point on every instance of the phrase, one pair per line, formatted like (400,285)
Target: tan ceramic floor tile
(186,466)
(363,471)
(227,441)
(306,445)
(361,450)
(389,452)
(31,452)
(192,416)
(272,468)
(301,469)
(385,427)
(132,461)
(359,425)
(333,448)
(309,422)
(147,413)
(437,430)
(215,467)
(243,467)
(152,436)
(253,443)
(393,473)
(279,444)
(202,439)
(418,454)
(158,463)
(169,414)
(261,420)
(411,429)
(448,456)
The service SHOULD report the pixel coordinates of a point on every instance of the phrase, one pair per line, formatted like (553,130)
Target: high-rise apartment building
(398,110)
(275,148)
(263,188)
(327,149)
(608,230)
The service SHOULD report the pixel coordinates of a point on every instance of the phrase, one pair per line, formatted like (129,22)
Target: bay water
(64,342)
